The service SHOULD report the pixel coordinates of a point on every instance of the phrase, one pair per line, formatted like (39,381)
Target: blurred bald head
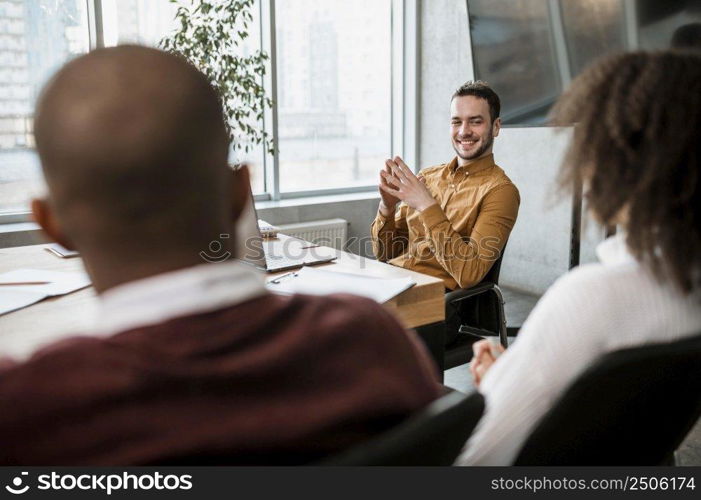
(134,149)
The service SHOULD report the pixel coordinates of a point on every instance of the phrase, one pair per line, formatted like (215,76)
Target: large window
(334,70)
(136,21)
(337,79)
(36,37)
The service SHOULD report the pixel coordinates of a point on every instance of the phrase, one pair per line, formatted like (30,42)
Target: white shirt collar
(614,251)
(184,292)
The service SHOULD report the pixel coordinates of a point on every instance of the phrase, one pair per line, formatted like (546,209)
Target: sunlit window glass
(36,38)
(334,92)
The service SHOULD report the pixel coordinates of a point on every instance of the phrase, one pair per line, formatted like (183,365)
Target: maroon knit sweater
(274,380)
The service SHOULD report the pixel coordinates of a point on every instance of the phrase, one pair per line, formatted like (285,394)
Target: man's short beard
(485,146)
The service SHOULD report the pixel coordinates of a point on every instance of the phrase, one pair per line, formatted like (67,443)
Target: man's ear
(240,191)
(46,218)
(496,127)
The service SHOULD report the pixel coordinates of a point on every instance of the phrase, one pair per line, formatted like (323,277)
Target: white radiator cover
(329,232)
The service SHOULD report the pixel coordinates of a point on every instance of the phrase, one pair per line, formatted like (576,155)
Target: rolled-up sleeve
(390,235)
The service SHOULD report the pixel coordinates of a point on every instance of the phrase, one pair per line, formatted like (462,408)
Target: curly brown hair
(637,147)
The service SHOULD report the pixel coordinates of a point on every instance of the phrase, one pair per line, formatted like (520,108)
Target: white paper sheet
(314,281)
(11,300)
(18,296)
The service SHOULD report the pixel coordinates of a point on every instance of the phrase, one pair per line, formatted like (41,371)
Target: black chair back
(632,407)
(493,275)
(435,436)
(490,306)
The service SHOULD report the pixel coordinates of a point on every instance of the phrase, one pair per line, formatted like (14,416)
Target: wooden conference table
(420,306)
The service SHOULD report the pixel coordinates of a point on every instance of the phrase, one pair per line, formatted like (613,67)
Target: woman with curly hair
(637,151)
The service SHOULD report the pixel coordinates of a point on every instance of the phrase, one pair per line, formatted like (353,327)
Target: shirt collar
(184,292)
(614,251)
(476,166)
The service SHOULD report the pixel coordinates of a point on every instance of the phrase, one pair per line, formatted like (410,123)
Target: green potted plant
(211,34)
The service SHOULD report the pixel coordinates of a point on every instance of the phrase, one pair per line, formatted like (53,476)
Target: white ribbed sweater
(592,310)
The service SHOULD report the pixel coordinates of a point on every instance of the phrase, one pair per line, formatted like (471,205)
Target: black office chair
(434,436)
(472,313)
(633,407)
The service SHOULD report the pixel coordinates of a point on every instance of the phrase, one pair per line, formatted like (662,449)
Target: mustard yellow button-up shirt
(459,238)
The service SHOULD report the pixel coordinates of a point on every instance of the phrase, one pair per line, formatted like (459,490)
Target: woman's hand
(485,353)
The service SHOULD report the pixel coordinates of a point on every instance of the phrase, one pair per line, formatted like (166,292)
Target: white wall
(445,65)
(538,249)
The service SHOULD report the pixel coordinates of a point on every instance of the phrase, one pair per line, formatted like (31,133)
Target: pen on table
(306,243)
(22,283)
(279,278)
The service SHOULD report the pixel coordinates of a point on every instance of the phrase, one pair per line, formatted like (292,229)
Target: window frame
(404,103)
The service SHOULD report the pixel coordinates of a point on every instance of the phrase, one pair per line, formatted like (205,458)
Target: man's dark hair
(687,36)
(480,89)
(636,148)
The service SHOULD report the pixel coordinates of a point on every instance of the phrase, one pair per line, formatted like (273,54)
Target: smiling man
(453,220)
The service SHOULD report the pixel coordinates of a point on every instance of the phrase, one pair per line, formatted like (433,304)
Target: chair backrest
(632,407)
(492,275)
(434,436)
